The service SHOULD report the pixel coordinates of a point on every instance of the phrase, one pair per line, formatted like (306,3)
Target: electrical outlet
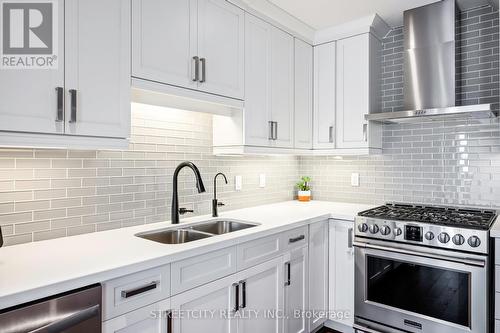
(238,183)
(355,179)
(262,180)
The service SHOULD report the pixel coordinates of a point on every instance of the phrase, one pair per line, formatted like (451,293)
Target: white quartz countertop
(40,269)
(495,229)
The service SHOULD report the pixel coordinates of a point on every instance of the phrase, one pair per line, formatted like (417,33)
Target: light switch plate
(355,179)
(238,183)
(262,180)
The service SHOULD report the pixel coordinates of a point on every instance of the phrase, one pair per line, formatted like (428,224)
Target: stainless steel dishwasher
(77,311)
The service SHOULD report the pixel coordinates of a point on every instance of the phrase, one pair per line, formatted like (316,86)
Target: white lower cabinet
(261,301)
(248,301)
(318,272)
(341,272)
(208,308)
(296,290)
(149,319)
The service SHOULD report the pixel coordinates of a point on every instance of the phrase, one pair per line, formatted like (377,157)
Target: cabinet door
(221,32)
(303,95)
(353,88)
(211,306)
(341,268)
(262,298)
(318,271)
(97,40)
(29,96)
(296,290)
(282,79)
(149,319)
(324,96)
(257,81)
(164,38)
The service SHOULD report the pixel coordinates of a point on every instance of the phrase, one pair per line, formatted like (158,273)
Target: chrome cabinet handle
(60,104)
(73,106)
(203,62)
(196,66)
(243,296)
(350,238)
(236,287)
(365,132)
(330,134)
(140,290)
(70,321)
(296,239)
(288,274)
(275,137)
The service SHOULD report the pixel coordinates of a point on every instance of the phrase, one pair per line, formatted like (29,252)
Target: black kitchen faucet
(175,196)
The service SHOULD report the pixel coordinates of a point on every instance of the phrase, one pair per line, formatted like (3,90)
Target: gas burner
(446,216)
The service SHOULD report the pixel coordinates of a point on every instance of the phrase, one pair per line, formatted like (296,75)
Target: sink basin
(174,236)
(219,227)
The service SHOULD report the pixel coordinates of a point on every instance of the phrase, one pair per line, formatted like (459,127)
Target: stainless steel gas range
(422,269)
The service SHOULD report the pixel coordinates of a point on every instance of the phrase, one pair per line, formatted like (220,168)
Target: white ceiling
(321,14)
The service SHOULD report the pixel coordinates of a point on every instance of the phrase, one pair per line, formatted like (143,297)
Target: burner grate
(449,216)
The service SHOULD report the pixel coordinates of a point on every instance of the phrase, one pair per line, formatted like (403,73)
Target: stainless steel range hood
(429,63)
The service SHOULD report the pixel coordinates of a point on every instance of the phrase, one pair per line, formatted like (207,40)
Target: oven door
(420,292)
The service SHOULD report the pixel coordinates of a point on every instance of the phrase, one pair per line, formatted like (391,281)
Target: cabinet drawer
(257,251)
(135,290)
(195,271)
(295,238)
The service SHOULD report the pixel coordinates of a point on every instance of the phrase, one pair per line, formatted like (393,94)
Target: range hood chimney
(429,64)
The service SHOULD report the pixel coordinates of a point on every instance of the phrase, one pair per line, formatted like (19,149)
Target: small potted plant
(304,190)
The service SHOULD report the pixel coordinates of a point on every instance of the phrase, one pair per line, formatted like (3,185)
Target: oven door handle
(461,260)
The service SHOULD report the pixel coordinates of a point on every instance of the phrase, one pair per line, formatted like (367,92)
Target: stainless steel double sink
(193,232)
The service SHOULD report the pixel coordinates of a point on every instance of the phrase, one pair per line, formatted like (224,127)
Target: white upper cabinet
(97,69)
(30,99)
(221,45)
(269,85)
(257,81)
(324,96)
(282,88)
(358,92)
(303,95)
(87,98)
(195,44)
(164,41)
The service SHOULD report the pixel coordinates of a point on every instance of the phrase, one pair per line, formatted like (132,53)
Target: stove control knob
(363,227)
(385,230)
(474,241)
(429,235)
(374,228)
(458,239)
(397,231)
(444,237)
